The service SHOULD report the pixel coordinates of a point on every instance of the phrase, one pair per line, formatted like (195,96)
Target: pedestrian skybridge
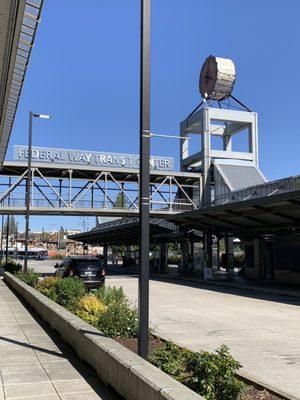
(57,189)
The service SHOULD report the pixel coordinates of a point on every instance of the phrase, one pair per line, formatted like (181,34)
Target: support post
(70,187)
(184,256)
(144,171)
(60,192)
(105,255)
(27,197)
(163,256)
(7,238)
(208,242)
(2,227)
(229,254)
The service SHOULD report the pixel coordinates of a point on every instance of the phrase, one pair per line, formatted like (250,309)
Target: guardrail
(178,205)
(266,189)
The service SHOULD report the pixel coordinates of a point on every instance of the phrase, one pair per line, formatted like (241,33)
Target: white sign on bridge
(93,158)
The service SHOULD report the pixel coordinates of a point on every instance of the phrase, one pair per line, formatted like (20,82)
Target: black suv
(89,269)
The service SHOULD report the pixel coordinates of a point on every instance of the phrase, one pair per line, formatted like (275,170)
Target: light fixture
(45,116)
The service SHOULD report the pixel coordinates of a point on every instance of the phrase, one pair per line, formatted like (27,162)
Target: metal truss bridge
(90,191)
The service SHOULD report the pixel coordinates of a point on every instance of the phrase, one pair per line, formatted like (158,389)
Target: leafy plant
(119,320)
(69,292)
(175,259)
(31,277)
(48,287)
(12,266)
(239,260)
(212,375)
(58,256)
(90,308)
(171,359)
(110,294)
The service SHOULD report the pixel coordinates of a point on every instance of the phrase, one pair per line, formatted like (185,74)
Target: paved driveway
(263,332)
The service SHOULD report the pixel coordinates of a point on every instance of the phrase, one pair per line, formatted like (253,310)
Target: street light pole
(27,195)
(28,181)
(144,179)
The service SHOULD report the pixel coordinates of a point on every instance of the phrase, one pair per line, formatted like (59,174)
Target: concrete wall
(130,375)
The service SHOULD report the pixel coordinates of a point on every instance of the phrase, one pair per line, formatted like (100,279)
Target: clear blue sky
(84,71)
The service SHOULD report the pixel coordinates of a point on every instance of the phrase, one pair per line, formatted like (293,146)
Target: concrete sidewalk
(35,363)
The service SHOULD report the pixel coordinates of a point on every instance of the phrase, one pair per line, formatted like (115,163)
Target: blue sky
(84,71)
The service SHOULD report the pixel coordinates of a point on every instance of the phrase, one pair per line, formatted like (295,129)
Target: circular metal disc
(217,78)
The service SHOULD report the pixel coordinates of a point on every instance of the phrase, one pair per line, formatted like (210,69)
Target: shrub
(171,359)
(47,287)
(175,259)
(12,266)
(69,292)
(90,309)
(119,320)
(239,260)
(110,294)
(212,375)
(30,277)
(58,256)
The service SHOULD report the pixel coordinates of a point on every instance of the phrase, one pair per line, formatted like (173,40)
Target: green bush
(110,294)
(175,259)
(69,292)
(12,266)
(239,260)
(119,320)
(90,308)
(171,359)
(211,375)
(30,277)
(48,286)
(58,256)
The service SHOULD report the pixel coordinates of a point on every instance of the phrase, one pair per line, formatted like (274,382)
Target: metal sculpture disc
(217,78)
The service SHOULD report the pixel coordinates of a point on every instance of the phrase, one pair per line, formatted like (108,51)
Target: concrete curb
(232,285)
(249,379)
(253,381)
(130,375)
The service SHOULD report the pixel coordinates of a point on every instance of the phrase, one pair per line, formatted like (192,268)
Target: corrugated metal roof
(18,25)
(240,176)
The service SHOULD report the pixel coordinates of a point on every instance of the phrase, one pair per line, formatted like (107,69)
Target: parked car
(88,268)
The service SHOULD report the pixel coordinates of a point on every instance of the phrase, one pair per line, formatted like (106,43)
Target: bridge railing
(18,201)
(267,189)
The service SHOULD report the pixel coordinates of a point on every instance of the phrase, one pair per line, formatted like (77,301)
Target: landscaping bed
(210,374)
(249,392)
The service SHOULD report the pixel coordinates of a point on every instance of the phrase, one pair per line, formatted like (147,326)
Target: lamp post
(28,181)
(144,181)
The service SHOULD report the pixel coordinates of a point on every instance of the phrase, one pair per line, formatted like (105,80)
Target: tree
(10,222)
(62,232)
(120,201)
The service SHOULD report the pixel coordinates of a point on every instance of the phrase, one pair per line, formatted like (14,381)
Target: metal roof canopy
(238,176)
(18,24)
(126,231)
(278,212)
